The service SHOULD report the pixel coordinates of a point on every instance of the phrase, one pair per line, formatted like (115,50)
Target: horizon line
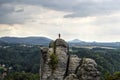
(64,39)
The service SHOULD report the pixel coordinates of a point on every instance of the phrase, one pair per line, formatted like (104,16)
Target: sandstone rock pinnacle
(65,66)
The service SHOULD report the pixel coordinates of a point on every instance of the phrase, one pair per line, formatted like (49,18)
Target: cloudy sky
(88,20)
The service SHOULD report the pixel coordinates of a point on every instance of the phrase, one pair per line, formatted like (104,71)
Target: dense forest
(22,61)
(108,60)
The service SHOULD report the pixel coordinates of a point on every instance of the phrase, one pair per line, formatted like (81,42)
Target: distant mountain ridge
(26,40)
(45,41)
(75,41)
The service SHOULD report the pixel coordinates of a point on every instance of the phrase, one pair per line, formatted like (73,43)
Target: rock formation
(58,64)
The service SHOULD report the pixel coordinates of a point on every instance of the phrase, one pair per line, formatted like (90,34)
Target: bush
(53,61)
(115,76)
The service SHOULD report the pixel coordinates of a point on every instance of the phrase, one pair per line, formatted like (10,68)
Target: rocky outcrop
(74,63)
(88,70)
(64,65)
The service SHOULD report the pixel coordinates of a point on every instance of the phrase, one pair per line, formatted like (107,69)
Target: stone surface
(60,47)
(69,67)
(71,77)
(59,42)
(88,70)
(74,63)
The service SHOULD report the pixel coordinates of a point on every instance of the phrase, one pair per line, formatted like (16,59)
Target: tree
(22,76)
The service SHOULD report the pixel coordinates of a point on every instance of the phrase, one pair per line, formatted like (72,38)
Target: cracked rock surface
(69,67)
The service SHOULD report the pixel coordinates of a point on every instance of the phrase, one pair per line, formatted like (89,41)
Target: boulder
(88,70)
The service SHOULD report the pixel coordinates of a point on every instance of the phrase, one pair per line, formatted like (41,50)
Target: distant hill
(26,40)
(45,41)
(75,41)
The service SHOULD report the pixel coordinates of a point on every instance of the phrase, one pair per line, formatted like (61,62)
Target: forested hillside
(21,61)
(20,57)
(24,60)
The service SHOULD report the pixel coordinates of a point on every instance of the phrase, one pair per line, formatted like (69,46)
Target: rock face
(64,65)
(88,70)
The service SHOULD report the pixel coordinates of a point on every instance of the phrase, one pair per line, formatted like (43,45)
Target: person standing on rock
(59,35)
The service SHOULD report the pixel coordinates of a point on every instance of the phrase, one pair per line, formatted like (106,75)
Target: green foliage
(22,76)
(1,69)
(115,76)
(20,57)
(108,60)
(53,61)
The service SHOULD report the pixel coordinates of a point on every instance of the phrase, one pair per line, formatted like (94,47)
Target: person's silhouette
(59,35)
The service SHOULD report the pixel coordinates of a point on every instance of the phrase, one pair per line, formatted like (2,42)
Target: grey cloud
(113,20)
(4,1)
(77,8)
(19,10)
(7,8)
(4,10)
(94,9)
(4,14)
(80,8)
(6,17)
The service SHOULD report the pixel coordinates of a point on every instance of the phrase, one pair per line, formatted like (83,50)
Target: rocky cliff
(58,64)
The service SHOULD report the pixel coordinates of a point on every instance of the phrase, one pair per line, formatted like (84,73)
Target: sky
(87,20)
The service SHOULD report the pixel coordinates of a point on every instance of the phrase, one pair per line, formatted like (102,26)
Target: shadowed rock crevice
(67,68)
(81,62)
